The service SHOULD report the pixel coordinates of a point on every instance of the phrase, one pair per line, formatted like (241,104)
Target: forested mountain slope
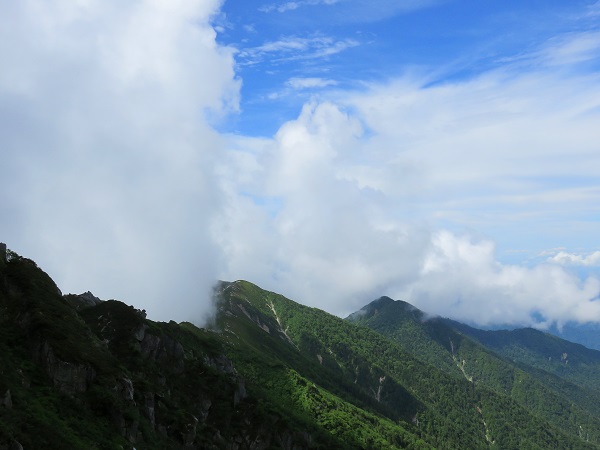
(444,407)
(510,363)
(77,372)
(545,351)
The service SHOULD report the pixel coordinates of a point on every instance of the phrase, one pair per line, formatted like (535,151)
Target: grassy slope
(451,412)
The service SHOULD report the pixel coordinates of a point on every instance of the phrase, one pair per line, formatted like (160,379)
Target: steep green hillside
(76,373)
(545,351)
(568,406)
(445,409)
(80,373)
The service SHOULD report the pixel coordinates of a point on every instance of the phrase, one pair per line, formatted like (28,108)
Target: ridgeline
(77,372)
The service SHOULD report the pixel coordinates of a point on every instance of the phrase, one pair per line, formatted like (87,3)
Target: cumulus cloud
(326,243)
(461,278)
(366,192)
(115,181)
(574,259)
(107,153)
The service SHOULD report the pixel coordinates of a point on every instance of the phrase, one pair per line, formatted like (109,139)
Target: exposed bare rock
(149,409)
(14,445)
(240,392)
(204,403)
(140,333)
(68,377)
(125,389)
(81,301)
(6,400)
(189,434)
(164,350)
(221,363)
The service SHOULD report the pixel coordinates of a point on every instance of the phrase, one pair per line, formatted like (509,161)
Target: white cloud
(370,184)
(462,279)
(572,49)
(309,83)
(574,259)
(114,181)
(107,159)
(353,11)
(325,245)
(295,48)
(291,6)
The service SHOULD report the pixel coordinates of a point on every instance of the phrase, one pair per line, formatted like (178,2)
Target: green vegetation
(574,409)
(274,374)
(540,350)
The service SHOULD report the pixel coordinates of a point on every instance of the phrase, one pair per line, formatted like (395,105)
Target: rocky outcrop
(221,363)
(6,400)
(162,350)
(125,389)
(68,377)
(81,301)
(129,429)
(14,445)
(189,433)
(133,377)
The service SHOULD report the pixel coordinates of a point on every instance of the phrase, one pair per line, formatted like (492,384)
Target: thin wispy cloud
(309,83)
(295,48)
(351,11)
(293,5)
(572,49)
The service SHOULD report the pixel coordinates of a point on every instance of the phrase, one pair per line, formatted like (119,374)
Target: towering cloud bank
(115,179)
(108,159)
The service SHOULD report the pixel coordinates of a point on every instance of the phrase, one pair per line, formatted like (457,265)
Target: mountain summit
(82,373)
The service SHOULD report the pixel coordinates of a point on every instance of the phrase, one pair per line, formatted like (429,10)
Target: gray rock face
(140,333)
(163,350)
(189,435)
(128,428)
(240,392)
(14,445)
(149,408)
(82,301)
(6,400)
(69,378)
(125,389)
(204,403)
(221,363)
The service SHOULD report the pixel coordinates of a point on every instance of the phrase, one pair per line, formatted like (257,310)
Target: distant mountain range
(587,334)
(80,373)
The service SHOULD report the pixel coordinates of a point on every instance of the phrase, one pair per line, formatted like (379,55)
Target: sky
(441,152)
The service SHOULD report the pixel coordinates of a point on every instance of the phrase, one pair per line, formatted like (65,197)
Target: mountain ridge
(269,373)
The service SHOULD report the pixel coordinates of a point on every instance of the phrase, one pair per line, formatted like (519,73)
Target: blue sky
(441,152)
(348,43)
